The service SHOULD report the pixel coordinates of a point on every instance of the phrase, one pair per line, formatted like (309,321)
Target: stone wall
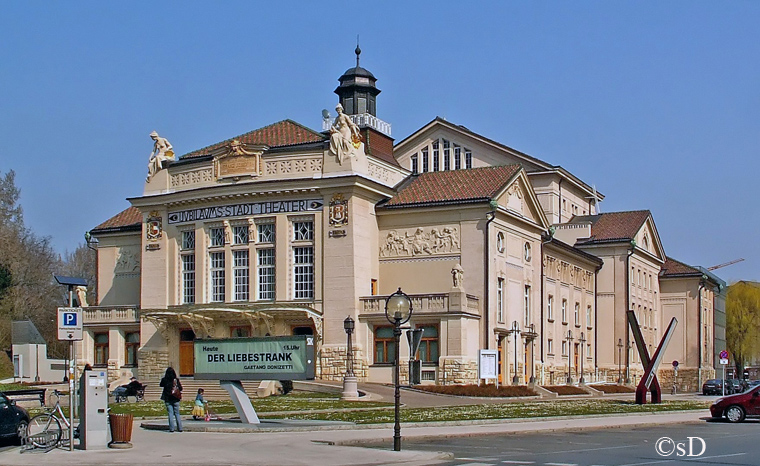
(152,364)
(332,363)
(455,371)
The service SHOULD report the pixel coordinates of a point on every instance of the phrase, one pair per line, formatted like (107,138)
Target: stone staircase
(211,389)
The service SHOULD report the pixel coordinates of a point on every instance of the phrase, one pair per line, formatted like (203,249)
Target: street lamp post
(620,361)
(398,311)
(515,331)
(569,361)
(582,342)
(530,336)
(628,363)
(350,391)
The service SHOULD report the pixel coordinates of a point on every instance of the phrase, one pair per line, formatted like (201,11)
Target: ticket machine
(93,412)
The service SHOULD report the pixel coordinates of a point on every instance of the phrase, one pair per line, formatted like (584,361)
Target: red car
(737,407)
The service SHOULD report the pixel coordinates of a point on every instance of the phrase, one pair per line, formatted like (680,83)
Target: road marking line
(696,458)
(561,464)
(518,462)
(476,464)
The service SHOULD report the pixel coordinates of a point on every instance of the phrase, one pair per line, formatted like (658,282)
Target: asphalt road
(725,444)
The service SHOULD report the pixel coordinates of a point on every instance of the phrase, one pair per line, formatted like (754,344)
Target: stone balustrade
(421,303)
(98,315)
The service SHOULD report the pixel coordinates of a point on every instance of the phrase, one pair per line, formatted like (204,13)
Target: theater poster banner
(266,358)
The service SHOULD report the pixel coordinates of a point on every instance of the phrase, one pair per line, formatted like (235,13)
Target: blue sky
(655,103)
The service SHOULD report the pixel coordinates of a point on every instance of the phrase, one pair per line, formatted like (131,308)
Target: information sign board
(266,358)
(487,364)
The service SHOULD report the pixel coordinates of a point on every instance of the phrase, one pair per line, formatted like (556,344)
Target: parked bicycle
(44,429)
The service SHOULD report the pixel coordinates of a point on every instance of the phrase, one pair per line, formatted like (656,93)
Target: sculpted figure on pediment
(345,141)
(162,151)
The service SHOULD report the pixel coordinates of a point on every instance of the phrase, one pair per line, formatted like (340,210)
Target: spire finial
(358,51)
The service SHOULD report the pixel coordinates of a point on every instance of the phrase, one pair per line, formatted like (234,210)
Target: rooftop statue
(345,141)
(162,151)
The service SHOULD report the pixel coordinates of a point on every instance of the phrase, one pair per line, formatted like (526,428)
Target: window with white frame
(577,314)
(457,157)
(564,348)
(564,311)
(436,156)
(216,274)
(241,274)
(500,300)
(550,346)
(589,317)
(303,259)
(526,306)
(240,234)
(550,307)
(216,236)
(187,259)
(265,262)
(446,155)
(425,161)
(415,164)
(588,350)
(467,159)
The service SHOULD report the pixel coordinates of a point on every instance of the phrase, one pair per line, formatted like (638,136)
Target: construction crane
(725,264)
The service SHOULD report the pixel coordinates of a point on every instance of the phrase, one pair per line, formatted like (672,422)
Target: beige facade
(271,233)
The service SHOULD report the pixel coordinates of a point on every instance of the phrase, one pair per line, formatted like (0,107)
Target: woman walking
(171,395)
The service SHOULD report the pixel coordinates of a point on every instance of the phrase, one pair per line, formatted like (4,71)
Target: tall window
(101,349)
(187,257)
(550,346)
(216,272)
(589,320)
(564,348)
(131,343)
(526,306)
(500,300)
(467,159)
(265,261)
(457,157)
(564,311)
(385,345)
(550,307)
(446,155)
(577,313)
(303,260)
(425,161)
(415,163)
(436,156)
(240,274)
(428,351)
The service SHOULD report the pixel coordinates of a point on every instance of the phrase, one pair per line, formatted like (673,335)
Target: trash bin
(121,430)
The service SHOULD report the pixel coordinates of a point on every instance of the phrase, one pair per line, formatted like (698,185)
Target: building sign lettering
(240,210)
(277,358)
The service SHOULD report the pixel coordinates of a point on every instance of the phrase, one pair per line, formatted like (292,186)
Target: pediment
(519,199)
(648,239)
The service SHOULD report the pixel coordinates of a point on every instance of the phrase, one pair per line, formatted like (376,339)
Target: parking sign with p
(70,323)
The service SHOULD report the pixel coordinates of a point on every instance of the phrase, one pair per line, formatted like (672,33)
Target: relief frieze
(419,242)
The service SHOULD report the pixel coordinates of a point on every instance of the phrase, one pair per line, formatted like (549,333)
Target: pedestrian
(171,395)
(199,411)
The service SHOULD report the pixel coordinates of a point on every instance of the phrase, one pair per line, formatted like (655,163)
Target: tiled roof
(282,133)
(454,186)
(674,267)
(126,219)
(613,226)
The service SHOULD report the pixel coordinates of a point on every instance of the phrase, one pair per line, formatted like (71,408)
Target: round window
(500,242)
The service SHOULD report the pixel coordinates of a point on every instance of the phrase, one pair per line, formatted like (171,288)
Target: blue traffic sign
(69,319)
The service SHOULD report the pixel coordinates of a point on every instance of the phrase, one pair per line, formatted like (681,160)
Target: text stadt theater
(285,230)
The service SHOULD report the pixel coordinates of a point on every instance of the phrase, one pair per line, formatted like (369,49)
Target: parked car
(734,386)
(714,387)
(736,408)
(13,419)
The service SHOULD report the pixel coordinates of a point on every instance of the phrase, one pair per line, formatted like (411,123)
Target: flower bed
(566,390)
(613,388)
(476,390)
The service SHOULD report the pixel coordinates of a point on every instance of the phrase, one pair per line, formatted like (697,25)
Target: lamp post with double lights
(398,311)
(569,361)
(582,342)
(350,391)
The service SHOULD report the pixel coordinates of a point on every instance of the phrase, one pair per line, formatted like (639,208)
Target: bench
(31,394)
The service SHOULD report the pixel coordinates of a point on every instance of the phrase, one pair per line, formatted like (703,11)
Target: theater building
(286,230)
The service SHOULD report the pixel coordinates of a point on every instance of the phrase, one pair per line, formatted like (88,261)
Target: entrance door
(500,365)
(186,353)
